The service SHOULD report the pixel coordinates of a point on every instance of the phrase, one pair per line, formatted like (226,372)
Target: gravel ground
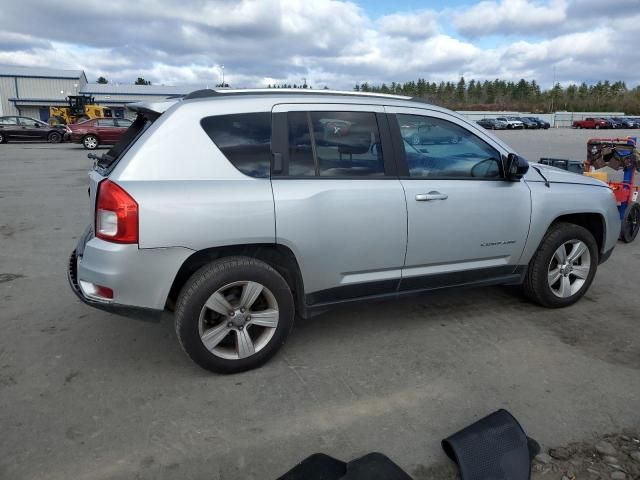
(88,395)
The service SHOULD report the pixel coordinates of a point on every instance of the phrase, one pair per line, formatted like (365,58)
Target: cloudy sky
(328,42)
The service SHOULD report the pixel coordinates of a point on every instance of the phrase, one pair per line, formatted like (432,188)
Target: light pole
(222,67)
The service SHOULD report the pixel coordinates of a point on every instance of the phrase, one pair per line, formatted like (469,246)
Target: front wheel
(54,137)
(90,142)
(563,267)
(234,314)
(630,223)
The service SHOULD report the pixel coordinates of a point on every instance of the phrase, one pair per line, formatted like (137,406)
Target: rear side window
(106,122)
(334,144)
(8,121)
(245,139)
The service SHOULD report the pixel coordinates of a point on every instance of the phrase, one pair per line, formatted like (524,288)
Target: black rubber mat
(495,447)
(373,466)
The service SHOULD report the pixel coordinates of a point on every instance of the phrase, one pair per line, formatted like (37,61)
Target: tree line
(519,96)
(139,81)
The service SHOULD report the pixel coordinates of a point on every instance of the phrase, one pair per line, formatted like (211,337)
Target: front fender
(548,204)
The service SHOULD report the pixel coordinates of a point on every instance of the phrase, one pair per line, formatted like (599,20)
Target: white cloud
(328,42)
(413,25)
(509,17)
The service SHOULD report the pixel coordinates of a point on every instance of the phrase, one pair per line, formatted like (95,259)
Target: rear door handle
(427,197)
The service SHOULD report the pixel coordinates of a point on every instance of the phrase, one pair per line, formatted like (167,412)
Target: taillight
(116,214)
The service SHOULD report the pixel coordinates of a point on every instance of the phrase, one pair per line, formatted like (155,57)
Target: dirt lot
(88,395)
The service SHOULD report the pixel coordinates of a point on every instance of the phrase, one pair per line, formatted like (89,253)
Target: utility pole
(222,67)
(553,88)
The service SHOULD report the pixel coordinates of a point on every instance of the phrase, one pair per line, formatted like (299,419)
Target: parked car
(29,129)
(99,131)
(528,123)
(541,123)
(240,218)
(626,122)
(613,123)
(591,122)
(512,122)
(492,124)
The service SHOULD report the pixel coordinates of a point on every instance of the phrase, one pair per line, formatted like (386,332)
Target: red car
(591,123)
(99,131)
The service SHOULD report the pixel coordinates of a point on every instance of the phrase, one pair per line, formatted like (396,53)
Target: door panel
(481,224)
(462,217)
(10,127)
(343,232)
(348,233)
(106,129)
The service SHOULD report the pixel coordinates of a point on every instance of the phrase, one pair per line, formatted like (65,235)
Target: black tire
(3,139)
(597,127)
(207,281)
(536,284)
(630,223)
(54,137)
(90,142)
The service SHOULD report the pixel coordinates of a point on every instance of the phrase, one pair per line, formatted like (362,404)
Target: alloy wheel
(569,268)
(238,320)
(90,142)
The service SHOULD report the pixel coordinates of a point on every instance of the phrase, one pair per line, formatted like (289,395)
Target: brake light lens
(116,214)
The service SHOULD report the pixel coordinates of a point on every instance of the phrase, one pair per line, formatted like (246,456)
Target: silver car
(242,210)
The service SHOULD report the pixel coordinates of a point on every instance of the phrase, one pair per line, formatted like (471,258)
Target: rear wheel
(54,137)
(564,266)
(90,142)
(234,314)
(3,139)
(630,223)
(597,127)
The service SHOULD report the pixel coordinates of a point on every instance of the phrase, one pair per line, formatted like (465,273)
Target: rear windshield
(115,153)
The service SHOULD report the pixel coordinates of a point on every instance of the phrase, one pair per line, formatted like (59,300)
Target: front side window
(334,144)
(245,139)
(124,123)
(29,122)
(437,148)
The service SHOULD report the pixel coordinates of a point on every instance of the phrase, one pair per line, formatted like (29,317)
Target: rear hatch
(103,165)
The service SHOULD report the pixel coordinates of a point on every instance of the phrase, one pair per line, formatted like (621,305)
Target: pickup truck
(591,123)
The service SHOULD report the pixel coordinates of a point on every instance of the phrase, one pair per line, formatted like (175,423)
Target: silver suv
(240,209)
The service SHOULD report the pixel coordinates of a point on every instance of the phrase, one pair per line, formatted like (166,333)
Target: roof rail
(209,93)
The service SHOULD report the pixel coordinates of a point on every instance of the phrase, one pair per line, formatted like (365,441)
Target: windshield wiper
(546,181)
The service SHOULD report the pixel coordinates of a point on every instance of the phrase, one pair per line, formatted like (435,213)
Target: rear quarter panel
(189,194)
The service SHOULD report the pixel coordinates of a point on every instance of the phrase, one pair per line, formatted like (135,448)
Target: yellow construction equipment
(80,108)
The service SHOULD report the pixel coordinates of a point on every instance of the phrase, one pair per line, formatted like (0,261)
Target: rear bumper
(147,314)
(140,278)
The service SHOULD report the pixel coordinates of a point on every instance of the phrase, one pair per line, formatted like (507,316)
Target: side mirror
(516,167)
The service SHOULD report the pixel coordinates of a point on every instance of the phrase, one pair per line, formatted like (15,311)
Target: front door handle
(427,197)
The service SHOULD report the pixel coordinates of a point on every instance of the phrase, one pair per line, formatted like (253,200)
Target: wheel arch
(593,222)
(278,256)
